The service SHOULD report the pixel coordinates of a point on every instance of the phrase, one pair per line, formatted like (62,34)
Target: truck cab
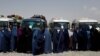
(85,21)
(60,23)
(5,22)
(33,23)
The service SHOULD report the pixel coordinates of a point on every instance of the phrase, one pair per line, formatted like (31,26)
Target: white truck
(87,21)
(60,23)
(6,21)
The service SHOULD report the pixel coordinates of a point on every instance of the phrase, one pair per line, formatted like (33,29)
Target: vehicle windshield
(60,24)
(32,24)
(89,24)
(98,25)
(3,23)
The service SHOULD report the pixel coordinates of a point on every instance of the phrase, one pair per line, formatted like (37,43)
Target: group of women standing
(45,40)
(8,38)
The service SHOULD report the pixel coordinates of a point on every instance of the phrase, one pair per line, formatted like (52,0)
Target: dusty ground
(69,53)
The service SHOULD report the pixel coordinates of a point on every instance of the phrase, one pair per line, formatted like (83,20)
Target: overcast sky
(67,9)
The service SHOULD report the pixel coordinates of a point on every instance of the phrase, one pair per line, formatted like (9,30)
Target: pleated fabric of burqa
(82,39)
(37,42)
(14,38)
(55,39)
(1,40)
(66,40)
(26,39)
(60,46)
(74,39)
(94,39)
(6,39)
(48,45)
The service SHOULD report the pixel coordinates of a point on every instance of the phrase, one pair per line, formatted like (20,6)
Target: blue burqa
(37,42)
(47,36)
(1,40)
(13,38)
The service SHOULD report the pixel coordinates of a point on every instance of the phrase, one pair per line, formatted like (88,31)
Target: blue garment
(74,39)
(13,38)
(7,33)
(82,39)
(88,41)
(60,46)
(1,40)
(55,39)
(6,39)
(47,36)
(37,42)
(66,39)
(14,31)
(34,43)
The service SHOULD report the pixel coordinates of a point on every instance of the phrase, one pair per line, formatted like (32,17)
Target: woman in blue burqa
(6,39)
(41,41)
(13,38)
(83,37)
(1,39)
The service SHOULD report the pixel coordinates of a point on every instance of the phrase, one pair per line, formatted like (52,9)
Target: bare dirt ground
(69,53)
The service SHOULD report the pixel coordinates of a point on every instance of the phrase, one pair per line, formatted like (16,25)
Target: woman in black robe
(25,40)
(94,39)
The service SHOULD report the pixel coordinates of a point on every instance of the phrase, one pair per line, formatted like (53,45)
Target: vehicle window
(59,24)
(32,24)
(3,23)
(88,23)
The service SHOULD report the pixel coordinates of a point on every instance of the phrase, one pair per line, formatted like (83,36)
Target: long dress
(1,40)
(37,42)
(6,39)
(47,36)
(19,40)
(82,39)
(55,39)
(74,40)
(60,46)
(66,40)
(26,40)
(14,38)
(94,39)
